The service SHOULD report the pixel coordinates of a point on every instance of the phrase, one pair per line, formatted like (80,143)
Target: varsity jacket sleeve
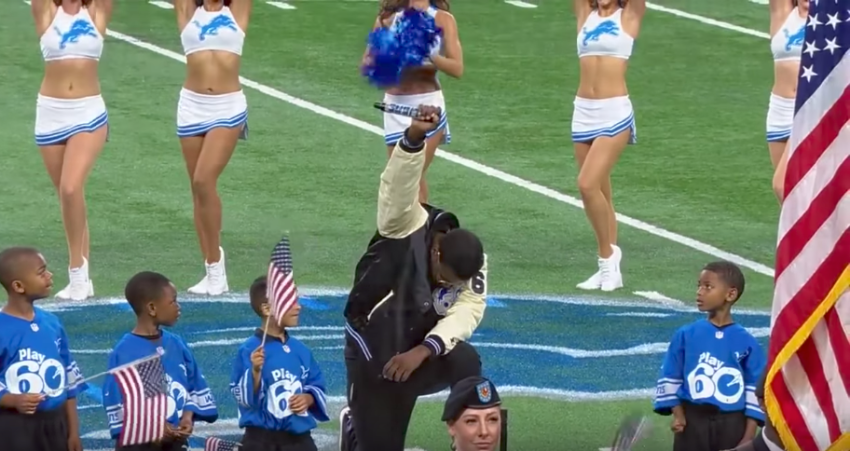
(399,211)
(462,318)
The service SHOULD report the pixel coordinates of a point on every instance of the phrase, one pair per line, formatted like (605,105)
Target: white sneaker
(609,268)
(593,283)
(215,282)
(608,277)
(202,287)
(79,287)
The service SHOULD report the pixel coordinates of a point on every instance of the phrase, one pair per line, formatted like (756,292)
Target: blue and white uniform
(594,118)
(394,124)
(289,369)
(56,120)
(35,358)
(187,387)
(786,45)
(711,365)
(197,113)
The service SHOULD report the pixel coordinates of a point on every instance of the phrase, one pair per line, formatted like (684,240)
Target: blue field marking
(570,348)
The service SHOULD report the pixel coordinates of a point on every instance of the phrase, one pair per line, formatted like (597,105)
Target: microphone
(401,110)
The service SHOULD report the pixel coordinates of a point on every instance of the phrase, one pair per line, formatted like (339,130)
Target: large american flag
(281,289)
(217,444)
(143,388)
(808,382)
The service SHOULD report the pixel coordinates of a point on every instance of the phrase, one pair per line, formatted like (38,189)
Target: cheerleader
(212,116)
(603,119)
(420,86)
(787,31)
(70,118)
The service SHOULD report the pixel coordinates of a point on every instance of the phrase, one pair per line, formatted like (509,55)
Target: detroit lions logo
(607,27)
(796,39)
(444,298)
(78,29)
(217,23)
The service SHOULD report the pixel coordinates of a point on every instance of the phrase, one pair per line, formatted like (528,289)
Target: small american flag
(807,393)
(281,289)
(217,444)
(145,402)
(632,429)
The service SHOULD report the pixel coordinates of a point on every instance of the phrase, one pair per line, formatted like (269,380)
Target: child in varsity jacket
(709,375)
(278,385)
(154,300)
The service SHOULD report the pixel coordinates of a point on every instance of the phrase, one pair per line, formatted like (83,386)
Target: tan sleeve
(399,211)
(463,317)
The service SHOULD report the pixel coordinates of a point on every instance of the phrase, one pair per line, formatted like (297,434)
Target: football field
(695,188)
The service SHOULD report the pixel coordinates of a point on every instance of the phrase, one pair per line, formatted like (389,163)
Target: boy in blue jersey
(279,386)
(39,380)
(154,300)
(709,376)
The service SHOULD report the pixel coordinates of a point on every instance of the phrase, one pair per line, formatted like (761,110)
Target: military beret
(474,392)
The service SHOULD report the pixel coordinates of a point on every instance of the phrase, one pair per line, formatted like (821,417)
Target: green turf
(700,168)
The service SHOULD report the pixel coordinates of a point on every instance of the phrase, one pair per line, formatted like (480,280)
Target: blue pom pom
(407,44)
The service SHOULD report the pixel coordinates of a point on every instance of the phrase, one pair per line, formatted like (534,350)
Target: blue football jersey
(35,358)
(707,364)
(187,387)
(289,369)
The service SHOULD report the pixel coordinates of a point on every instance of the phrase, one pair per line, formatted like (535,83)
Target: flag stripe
(809,260)
(813,366)
(818,211)
(796,201)
(806,301)
(827,350)
(815,144)
(841,347)
(794,419)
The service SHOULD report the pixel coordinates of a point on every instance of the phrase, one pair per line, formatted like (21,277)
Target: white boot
(79,287)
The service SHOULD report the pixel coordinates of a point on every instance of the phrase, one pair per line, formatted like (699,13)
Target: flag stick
(266,330)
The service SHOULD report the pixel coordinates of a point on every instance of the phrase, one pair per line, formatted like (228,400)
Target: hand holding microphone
(425,118)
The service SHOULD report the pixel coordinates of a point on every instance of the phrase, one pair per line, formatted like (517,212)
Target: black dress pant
(709,429)
(176,445)
(381,409)
(256,439)
(40,431)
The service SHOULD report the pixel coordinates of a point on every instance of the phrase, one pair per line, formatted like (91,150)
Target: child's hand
(171,433)
(678,424)
(186,426)
(300,403)
(26,403)
(258,357)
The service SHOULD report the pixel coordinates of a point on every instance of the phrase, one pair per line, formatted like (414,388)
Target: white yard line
(661,299)
(708,21)
(160,4)
(521,4)
(281,5)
